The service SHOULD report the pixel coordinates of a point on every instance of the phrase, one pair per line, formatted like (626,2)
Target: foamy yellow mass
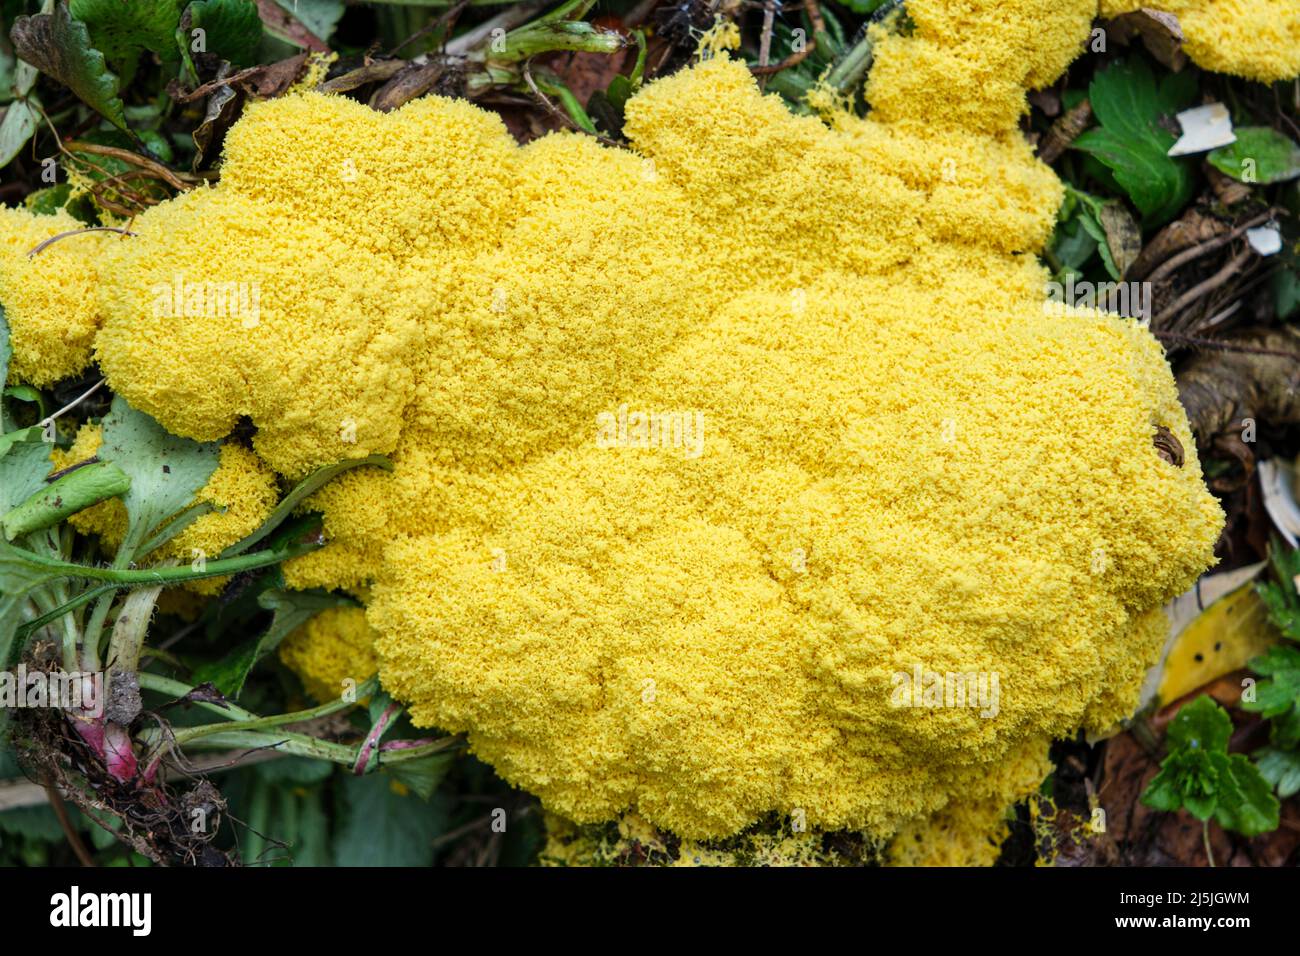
(50,299)
(335,646)
(875,449)
(1257,39)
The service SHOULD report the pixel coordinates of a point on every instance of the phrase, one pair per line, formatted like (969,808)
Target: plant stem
(187,734)
(129,629)
(847,74)
(178,689)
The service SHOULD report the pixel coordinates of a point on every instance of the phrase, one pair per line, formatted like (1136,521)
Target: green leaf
(1073,244)
(37,822)
(121,29)
(865,6)
(318,16)
(1286,293)
(1200,776)
(74,492)
(1131,141)
(24,463)
(60,47)
(295,771)
(17,127)
(1284,729)
(422,775)
(1280,595)
(382,826)
(1246,802)
(175,525)
(10,620)
(25,393)
(166,472)
(303,490)
(1260,155)
(1281,768)
(231,29)
(292,609)
(1188,779)
(1200,725)
(1278,697)
(6,353)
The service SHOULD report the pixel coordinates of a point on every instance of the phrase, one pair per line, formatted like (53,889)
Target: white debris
(1204,128)
(1266,240)
(1277,480)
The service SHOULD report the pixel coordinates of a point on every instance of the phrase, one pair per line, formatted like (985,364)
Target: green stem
(177,689)
(544,37)
(47,603)
(178,575)
(127,638)
(187,734)
(847,74)
(285,741)
(568,101)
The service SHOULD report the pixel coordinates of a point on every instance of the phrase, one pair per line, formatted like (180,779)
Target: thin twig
(558,113)
(1201,288)
(794,59)
(1195,252)
(65,822)
(46,243)
(216,84)
(765,42)
(168,176)
(1219,345)
(74,403)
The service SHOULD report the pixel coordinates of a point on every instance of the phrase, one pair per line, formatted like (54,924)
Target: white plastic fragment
(1277,481)
(1266,240)
(1204,128)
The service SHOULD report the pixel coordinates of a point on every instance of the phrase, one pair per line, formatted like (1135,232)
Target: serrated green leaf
(121,29)
(1131,141)
(1278,696)
(1281,768)
(1260,155)
(382,826)
(1246,803)
(231,29)
(1284,729)
(60,47)
(1188,779)
(1200,725)
(166,472)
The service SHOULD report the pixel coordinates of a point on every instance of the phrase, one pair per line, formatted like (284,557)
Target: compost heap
(705,449)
